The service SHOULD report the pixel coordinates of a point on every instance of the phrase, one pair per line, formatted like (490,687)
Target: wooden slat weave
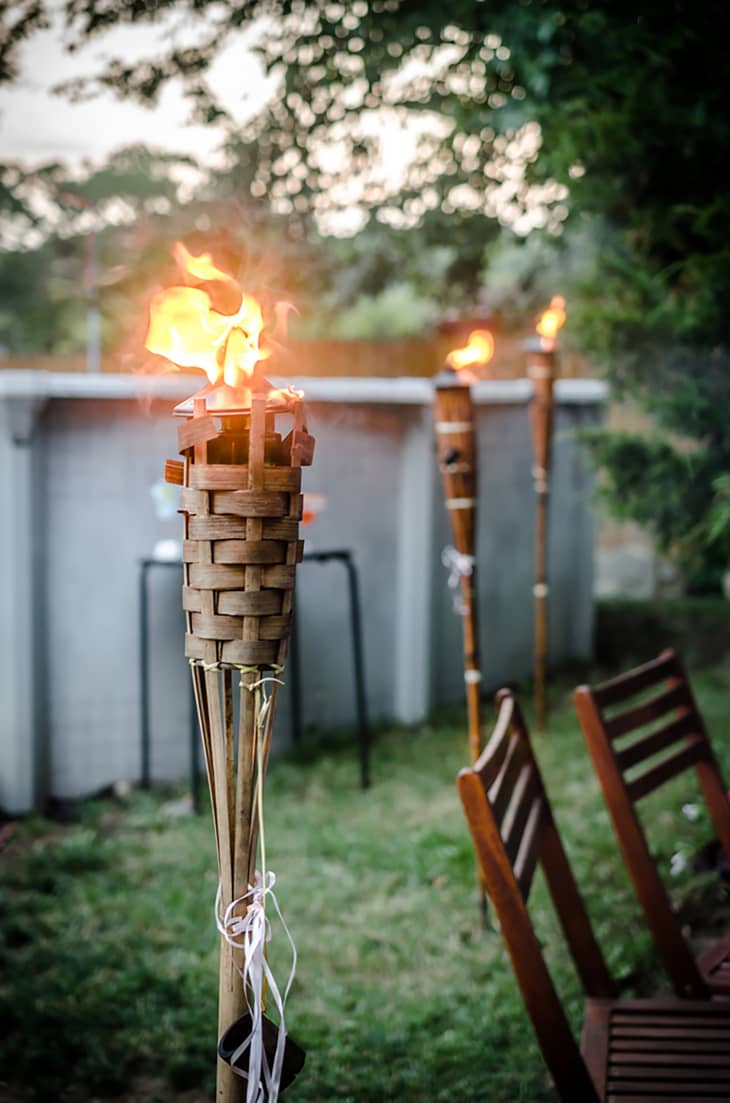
(219,553)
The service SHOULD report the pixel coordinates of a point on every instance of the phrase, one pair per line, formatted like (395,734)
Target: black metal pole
(295,680)
(363,739)
(144,692)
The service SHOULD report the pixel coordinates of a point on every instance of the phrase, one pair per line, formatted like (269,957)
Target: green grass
(108,955)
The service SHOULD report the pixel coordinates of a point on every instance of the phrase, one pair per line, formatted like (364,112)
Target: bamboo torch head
(242,501)
(455,435)
(541,352)
(241,478)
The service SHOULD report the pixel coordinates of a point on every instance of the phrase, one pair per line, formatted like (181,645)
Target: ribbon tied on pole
(460,565)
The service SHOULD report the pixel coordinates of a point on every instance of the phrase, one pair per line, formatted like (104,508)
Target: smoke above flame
(190,324)
(477,352)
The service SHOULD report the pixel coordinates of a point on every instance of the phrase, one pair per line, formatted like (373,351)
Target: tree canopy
(601,127)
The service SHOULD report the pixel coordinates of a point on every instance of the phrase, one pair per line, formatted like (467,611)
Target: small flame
(478,350)
(312,506)
(185,328)
(551,321)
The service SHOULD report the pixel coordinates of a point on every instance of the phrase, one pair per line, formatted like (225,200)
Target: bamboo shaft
(470,630)
(223,808)
(246,784)
(231,996)
(456,447)
(541,613)
(229,1088)
(541,369)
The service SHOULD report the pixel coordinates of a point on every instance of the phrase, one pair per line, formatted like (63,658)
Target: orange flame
(312,506)
(479,349)
(185,328)
(552,320)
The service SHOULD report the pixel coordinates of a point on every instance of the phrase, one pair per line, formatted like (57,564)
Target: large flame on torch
(551,321)
(477,352)
(186,328)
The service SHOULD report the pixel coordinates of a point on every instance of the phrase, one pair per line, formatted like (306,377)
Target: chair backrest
(642,729)
(512,827)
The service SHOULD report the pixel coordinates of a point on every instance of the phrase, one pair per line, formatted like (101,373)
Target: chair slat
(656,741)
(492,758)
(529,851)
(680,760)
(709,1035)
(635,1041)
(666,1090)
(653,1098)
(524,793)
(653,709)
(634,681)
(672,1059)
(500,794)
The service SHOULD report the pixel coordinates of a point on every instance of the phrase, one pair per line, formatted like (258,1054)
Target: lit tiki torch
(456,447)
(241,504)
(541,368)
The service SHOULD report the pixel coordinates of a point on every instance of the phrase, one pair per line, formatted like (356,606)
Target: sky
(37,126)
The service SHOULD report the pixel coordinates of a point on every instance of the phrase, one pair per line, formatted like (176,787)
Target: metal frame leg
(144,683)
(363,737)
(295,680)
(144,691)
(358,658)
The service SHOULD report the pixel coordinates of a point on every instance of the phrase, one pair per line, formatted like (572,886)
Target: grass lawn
(108,952)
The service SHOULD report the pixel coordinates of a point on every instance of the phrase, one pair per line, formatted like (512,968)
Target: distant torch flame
(185,328)
(478,350)
(551,321)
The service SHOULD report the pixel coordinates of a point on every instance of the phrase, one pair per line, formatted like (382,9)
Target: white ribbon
(250,933)
(459,565)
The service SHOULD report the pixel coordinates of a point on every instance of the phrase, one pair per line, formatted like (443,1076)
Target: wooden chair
(632,1050)
(636,746)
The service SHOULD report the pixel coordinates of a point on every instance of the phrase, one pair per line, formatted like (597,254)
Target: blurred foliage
(670,490)
(381,282)
(129,211)
(396,311)
(628,631)
(719,517)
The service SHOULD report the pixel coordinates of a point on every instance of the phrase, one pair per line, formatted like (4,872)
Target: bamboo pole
(540,592)
(456,447)
(541,370)
(457,457)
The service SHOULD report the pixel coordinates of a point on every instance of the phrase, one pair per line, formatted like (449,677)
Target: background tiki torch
(541,369)
(241,504)
(457,459)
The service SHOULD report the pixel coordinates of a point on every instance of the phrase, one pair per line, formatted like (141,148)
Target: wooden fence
(414,356)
